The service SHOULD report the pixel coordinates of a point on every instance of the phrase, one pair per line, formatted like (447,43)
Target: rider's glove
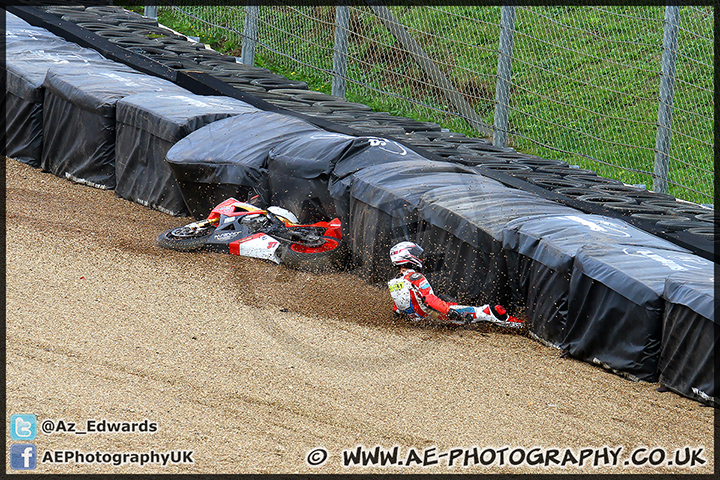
(459,317)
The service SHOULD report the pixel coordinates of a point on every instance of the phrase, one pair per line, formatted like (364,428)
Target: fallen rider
(414,297)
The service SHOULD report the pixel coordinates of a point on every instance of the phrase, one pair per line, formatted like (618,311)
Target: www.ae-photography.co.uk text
(464,457)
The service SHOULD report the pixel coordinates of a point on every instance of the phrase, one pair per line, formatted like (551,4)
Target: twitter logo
(23,426)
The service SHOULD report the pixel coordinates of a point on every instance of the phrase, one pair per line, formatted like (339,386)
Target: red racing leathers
(414,297)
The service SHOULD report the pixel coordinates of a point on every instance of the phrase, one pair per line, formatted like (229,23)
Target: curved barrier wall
(148,125)
(615,308)
(690,333)
(79,118)
(496,232)
(540,254)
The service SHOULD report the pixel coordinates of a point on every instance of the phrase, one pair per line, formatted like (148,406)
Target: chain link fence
(624,90)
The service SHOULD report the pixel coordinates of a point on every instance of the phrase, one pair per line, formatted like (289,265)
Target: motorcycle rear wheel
(185,243)
(313,259)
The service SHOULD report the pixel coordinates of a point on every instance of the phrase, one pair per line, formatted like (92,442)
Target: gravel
(251,365)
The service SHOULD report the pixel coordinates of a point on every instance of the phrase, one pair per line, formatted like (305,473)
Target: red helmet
(406,254)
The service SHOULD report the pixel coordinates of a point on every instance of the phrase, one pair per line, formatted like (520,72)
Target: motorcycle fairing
(258,245)
(233,208)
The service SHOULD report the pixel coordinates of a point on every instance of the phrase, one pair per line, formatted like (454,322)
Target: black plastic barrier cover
(540,254)
(364,152)
(465,232)
(148,125)
(205,84)
(195,81)
(695,243)
(89,39)
(229,157)
(690,333)
(29,53)
(614,307)
(299,172)
(79,118)
(383,207)
(23,120)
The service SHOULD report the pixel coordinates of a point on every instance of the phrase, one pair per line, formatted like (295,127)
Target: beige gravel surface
(252,366)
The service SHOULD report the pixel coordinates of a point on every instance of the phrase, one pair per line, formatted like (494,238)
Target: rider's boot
(496,314)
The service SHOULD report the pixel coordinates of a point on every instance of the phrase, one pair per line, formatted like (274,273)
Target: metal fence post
(429,67)
(151,10)
(504,72)
(667,93)
(250,31)
(342,20)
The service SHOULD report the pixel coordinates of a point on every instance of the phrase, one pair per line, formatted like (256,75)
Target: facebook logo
(23,456)
(23,426)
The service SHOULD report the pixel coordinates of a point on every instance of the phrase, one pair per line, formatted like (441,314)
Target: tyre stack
(144,36)
(633,202)
(484,239)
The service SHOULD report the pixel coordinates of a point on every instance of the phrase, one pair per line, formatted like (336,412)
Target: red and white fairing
(258,245)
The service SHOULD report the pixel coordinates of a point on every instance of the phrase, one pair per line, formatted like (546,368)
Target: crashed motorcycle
(241,228)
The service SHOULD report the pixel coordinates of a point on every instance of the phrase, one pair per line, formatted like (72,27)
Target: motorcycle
(241,228)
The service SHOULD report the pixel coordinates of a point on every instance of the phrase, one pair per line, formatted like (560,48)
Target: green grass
(573,106)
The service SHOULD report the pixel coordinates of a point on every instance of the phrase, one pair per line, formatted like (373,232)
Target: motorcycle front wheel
(319,258)
(184,239)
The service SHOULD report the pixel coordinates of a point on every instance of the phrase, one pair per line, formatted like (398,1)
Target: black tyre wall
(29,53)
(148,125)
(89,159)
(474,276)
(615,313)
(141,178)
(207,196)
(602,324)
(383,207)
(299,171)
(373,232)
(540,253)
(362,153)
(231,151)
(465,231)
(23,120)
(79,118)
(690,333)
